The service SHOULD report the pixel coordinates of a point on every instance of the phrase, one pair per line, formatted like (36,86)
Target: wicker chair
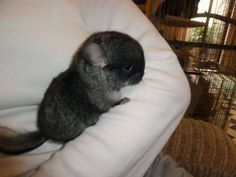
(202,149)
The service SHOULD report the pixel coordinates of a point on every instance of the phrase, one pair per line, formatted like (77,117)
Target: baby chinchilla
(105,62)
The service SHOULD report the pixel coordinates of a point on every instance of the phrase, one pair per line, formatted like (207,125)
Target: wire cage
(212,96)
(202,34)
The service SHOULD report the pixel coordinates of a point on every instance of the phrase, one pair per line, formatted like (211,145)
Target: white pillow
(43,36)
(38,40)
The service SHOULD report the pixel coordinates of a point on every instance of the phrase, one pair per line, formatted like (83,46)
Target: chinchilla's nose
(137,78)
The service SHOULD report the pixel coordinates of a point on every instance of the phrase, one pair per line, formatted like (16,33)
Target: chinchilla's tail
(14,143)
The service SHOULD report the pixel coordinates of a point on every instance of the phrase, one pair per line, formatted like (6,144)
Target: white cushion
(39,38)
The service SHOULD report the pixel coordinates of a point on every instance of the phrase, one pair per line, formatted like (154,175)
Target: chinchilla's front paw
(124,100)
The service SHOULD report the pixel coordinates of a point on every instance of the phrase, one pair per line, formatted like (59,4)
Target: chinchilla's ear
(95,55)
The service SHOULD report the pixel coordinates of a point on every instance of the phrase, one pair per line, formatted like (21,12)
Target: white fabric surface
(37,40)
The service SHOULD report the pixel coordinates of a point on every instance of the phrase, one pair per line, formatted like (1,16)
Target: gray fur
(75,99)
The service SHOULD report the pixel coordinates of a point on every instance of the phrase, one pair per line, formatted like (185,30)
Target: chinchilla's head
(114,56)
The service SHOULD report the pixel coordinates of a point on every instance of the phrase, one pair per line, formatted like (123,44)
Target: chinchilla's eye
(127,67)
(107,68)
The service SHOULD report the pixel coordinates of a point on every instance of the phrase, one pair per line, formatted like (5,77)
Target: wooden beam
(218,17)
(180,22)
